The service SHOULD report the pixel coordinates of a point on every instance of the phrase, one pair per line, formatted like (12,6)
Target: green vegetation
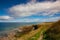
(18,34)
(50,31)
(41,30)
(46,31)
(53,33)
(31,36)
(35,37)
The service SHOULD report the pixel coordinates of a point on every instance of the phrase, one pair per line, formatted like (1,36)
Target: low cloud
(9,19)
(44,20)
(29,20)
(50,19)
(38,8)
(5,18)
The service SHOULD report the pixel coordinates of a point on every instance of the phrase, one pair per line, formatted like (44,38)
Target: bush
(18,34)
(53,33)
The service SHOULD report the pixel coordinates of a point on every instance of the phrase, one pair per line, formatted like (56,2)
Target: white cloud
(8,19)
(36,8)
(23,10)
(50,19)
(5,18)
(30,20)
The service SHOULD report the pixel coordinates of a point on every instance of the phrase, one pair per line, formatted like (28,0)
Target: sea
(6,26)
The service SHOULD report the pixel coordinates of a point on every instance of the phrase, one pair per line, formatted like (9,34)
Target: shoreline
(11,31)
(18,28)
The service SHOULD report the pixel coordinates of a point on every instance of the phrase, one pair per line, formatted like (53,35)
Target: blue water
(5,26)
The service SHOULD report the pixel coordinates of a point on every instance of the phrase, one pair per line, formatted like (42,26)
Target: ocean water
(6,26)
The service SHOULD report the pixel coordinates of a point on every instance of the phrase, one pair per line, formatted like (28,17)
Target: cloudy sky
(29,10)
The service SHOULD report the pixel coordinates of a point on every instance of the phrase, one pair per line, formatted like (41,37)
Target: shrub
(53,33)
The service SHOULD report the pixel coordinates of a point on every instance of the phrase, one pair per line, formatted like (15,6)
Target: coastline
(7,31)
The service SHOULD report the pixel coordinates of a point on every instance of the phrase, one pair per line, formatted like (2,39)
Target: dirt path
(29,35)
(41,37)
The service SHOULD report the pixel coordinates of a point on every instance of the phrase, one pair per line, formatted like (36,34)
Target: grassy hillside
(43,31)
(53,33)
(43,27)
(35,34)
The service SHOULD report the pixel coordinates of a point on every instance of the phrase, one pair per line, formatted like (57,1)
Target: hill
(42,31)
(53,33)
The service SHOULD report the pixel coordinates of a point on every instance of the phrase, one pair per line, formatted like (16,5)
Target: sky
(29,10)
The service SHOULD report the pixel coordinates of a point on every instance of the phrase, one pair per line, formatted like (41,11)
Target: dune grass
(41,30)
(45,29)
(34,34)
(53,33)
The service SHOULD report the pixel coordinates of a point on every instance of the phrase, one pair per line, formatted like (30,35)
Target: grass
(33,34)
(46,29)
(37,35)
(53,33)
